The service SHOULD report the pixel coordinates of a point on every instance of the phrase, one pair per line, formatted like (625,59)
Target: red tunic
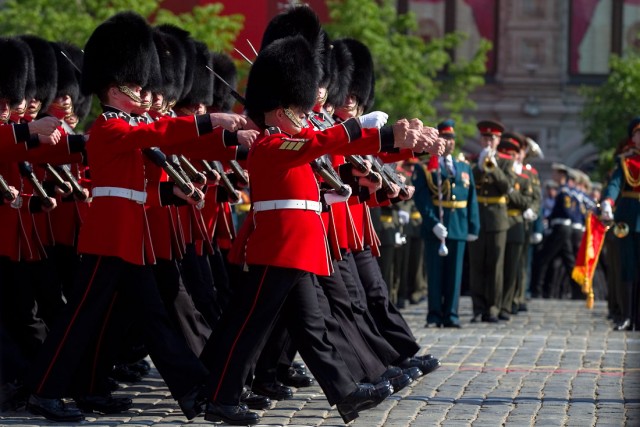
(117,226)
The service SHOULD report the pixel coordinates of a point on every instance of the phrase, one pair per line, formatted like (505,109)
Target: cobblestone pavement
(558,364)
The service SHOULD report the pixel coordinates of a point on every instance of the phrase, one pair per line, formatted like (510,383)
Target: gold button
(453,185)
(486,192)
(453,197)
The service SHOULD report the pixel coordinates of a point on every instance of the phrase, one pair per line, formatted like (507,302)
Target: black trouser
(557,243)
(198,280)
(99,281)
(388,318)
(18,307)
(363,319)
(179,305)
(220,272)
(243,329)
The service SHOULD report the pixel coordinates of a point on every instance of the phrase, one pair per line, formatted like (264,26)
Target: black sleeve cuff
(203,124)
(21,131)
(167,197)
(35,204)
(230,139)
(50,188)
(387,141)
(346,172)
(33,141)
(76,143)
(222,195)
(352,126)
(381,195)
(363,194)
(242,153)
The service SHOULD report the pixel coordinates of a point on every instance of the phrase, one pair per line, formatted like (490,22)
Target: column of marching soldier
(119,243)
(122,244)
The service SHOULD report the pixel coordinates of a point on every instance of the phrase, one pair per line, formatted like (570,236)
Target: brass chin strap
(145,104)
(324,98)
(130,94)
(293,118)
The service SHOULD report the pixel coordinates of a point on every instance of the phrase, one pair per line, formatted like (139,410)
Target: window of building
(476,18)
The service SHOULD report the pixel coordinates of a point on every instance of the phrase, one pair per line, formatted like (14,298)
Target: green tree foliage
(74,20)
(609,107)
(412,76)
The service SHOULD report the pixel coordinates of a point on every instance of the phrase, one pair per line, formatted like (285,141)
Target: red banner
(588,254)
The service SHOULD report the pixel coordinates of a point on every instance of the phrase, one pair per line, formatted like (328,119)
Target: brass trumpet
(620,229)
(489,163)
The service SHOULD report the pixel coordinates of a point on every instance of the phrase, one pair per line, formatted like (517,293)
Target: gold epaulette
(292,143)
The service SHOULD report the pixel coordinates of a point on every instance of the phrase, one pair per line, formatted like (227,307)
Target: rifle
(26,171)
(191,171)
(323,167)
(78,190)
(59,181)
(389,176)
(160,159)
(5,190)
(224,180)
(238,171)
(208,170)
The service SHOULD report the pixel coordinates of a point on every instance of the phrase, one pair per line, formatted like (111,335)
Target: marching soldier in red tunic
(114,240)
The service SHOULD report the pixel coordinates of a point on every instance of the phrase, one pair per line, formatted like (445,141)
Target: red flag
(588,254)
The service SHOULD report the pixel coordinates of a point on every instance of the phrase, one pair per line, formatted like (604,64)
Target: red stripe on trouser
(235,341)
(96,355)
(66,332)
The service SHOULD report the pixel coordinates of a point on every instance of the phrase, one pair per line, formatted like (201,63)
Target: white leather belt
(560,221)
(578,226)
(125,193)
(270,205)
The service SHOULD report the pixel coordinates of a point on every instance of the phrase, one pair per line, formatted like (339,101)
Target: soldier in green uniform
(494,178)
(413,280)
(519,205)
(445,195)
(533,226)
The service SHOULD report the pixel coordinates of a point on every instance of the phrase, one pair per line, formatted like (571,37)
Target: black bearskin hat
(120,51)
(223,65)
(363,79)
(81,105)
(68,76)
(285,74)
(14,72)
(189,49)
(341,74)
(301,20)
(172,64)
(202,89)
(46,68)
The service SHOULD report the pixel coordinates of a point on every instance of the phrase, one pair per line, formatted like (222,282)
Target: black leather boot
(53,409)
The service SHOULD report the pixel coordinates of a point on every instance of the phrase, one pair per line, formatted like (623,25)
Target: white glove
(606,212)
(529,215)
(403,217)
(535,238)
(375,119)
(331,197)
(440,231)
(472,237)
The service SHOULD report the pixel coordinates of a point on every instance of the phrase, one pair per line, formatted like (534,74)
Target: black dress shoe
(523,307)
(141,366)
(300,367)
(237,415)
(103,404)
(192,404)
(363,398)
(400,382)
(53,409)
(414,372)
(123,373)
(272,390)
(254,401)
(623,326)
(294,379)
(504,316)
(489,318)
(425,357)
(426,366)
(452,325)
